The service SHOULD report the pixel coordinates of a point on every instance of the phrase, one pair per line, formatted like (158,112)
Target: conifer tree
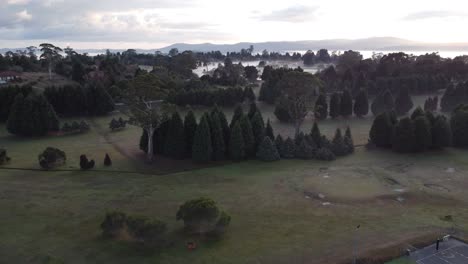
(304,150)
(459,125)
(217,138)
(381,131)
(236,143)
(339,147)
(321,107)
(267,151)
(316,135)
(107,160)
(423,134)
(269,130)
(346,106)
(253,110)
(279,143)
(348,141)
(441,133)
(403,102)
(175,143)
(335,104)
(202,149)
(190,126)
(361,105)
(417,113)
(289,149)
(247,133)
(384,102)
(238,113)
(403,137)
(258,129)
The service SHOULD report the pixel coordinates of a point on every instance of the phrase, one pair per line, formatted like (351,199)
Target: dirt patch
(399,167)
(391,181)
(436,187)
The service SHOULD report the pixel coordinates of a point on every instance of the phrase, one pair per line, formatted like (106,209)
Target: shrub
(86,164)
(107,161)
(325,154)
(113,224)
(4,157)
(282,112)
(289,149)
(117,124)
(51,157)
(339,147)
(146,231)
(304,150)
(267,151)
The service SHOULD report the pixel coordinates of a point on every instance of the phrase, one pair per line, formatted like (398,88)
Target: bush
(114,223)
(325,154)
(85,164)
(289,149)
(51,157)
(304,150)
(267,151)
(4,157)
(199,215)
(117,124)
(107,161)
(281,111)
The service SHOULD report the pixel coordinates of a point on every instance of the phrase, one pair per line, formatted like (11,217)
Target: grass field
(290,211)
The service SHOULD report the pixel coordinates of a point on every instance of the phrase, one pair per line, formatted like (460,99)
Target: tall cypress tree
(346,106)
(269,130)
(238,113)
(381,131)
(190,126)
(236,143)
(217,138)
(175,143)
(423,134)
(361,105)
(289,149)
(316,135)
(247,133)
(403,102)
(258,129)
(252,110)
(267,150)
(441,133)
(321,107)
(223,122)
(338,144)
(279,143)
(202,150)
(335,104)
(348,141)
(403,138)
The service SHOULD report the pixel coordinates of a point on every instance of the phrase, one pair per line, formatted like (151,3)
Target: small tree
(423,134)
(279,143)
(86,164)
(361,105)
(150,233)
(4,157)
(198,215)
(269,130)
(316,135)
(346,106)
(113,224)
(348,141)
(202,149)
(304,150)
(381,131)
(335,105)
(403,139)
(236,143)
(325,154)
(339,147)
(107,161)
(267,151)
(289,149)
(321,107)
(51,157)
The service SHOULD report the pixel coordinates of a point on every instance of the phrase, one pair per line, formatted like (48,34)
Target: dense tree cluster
(75,127)
(421,132)
(212,96)
(431,104)
(117,124)
(454,96)
(271,88)
(7,97)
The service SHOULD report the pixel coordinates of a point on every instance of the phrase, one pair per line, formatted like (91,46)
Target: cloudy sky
(156,23)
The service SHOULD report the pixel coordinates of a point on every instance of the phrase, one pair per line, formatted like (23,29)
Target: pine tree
(217,138)
(249,94)
(403,138)
(289,149)
(381,131)
(361,105)
(417,113)
(325,154)
(316,135)
(190,126)
(304,150)
(258,129)
(267,151)
(335,104)
(202,150)
(321,107)
(238,113)
(423,134)
(279,143)
(144,141)
(269,130)
(338,144)
(236,143)
(224,124)
(459,125)
(247,133)
(346,106)
(107,160)
(252,110)
(403,102)
(175,144)
(441,133)
(384,102)
(348,141)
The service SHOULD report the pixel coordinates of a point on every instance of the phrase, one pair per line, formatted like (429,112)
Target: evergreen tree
(279,143)
(267,151)
(403,138)
(99,102)
(459,125)
(316,135)
(338,144)
(107,160)
(361,105)
(325,154)
(253,110)
(258,129)
(202,150)
(384,102)
(441,133)
(217,137)
(249,94)
(175,144)
(321,107)
(423,134)
(144,141)
(346,106)
(381,131)
(335,104)
(348,141)
(236,143)
(238,113)
(289,149)
(190,126)
(269,130)
(304,150)
(418,112)
(403,102)
(247,133)
(223,122)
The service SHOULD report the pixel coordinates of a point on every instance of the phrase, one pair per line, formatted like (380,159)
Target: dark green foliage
(202,149)
(403,102)
(190,126)
(224,124)
(107,161)
(210,96)
(247,133)
(279,143)
(86,164)
(144,141)
(198,215)
(454,96)
(68,100)
(150,233)
(335,104)
(251,73)
(418,112)
(236,143)
(316,135)
(361,104)
(304,150)
(51,157)
(423,134)
(75,127)
(249,94)
(325,154)
(346,104)
(221,225)
(98,101)
(441,133)
(269,130)
(431,104)
(114,223)
(238,113)
(32,116)
(384,102)
(381,131)
(258,129)
(459,125)
(289,149)
(175,146)
(403,139)
(281,111)
(253,110)
(117,124)
(7,97)
(348,141)
(4,157)
(321,107)
(339,147)
(267,151)
(217,138)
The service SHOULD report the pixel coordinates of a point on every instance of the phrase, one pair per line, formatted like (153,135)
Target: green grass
(401,261)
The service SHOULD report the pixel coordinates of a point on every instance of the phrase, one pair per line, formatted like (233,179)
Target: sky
(148,24)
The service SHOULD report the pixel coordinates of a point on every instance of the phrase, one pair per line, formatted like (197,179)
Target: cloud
(434,14)
(17,2)
(24,15)
(294,14)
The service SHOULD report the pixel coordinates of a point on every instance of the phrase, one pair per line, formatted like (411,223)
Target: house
(8,76)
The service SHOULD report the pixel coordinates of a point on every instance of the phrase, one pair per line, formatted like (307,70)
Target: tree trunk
(150,154)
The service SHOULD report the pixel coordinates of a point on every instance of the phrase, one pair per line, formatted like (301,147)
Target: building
(8,76)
